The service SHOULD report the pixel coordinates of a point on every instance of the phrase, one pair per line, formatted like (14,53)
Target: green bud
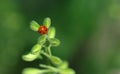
(30,57)
(54,42)
(31,71)
(55,60)
(42,39)
(67,71)
(47,22)
(36,48)
(63,65)
(34,25)
(51,32)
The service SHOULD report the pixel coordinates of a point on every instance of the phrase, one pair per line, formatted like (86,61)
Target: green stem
(48,50)
(45,54)
(49,67)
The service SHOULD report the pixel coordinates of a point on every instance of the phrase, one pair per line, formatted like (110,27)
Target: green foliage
(43,48)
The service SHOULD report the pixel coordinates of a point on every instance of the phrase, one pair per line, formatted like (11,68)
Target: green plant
(42,51)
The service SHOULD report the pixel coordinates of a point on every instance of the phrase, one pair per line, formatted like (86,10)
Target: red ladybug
(43,30)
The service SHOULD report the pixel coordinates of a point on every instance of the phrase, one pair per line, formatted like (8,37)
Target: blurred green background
(89,31)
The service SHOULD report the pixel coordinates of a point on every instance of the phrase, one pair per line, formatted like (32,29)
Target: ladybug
(43,30)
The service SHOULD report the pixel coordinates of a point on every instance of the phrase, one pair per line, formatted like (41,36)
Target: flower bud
(36,49)
(47,22)
(29,57)
(67,71)
(34,25)
(63,65)
(31,71)
(51,32)
(55,60)
(54,42)
(42,39)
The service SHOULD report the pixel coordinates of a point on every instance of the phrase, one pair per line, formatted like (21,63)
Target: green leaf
(47,22)
(34,25)
(31,71)
(51,32)
(42,39)
(36,48)
(55,60)
(54,42)
(30,57)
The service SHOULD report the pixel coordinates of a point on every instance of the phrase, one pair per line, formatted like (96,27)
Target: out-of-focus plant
(42,51)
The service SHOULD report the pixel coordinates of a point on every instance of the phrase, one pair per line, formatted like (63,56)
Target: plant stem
(49,67)
(45,54)
(49,50)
